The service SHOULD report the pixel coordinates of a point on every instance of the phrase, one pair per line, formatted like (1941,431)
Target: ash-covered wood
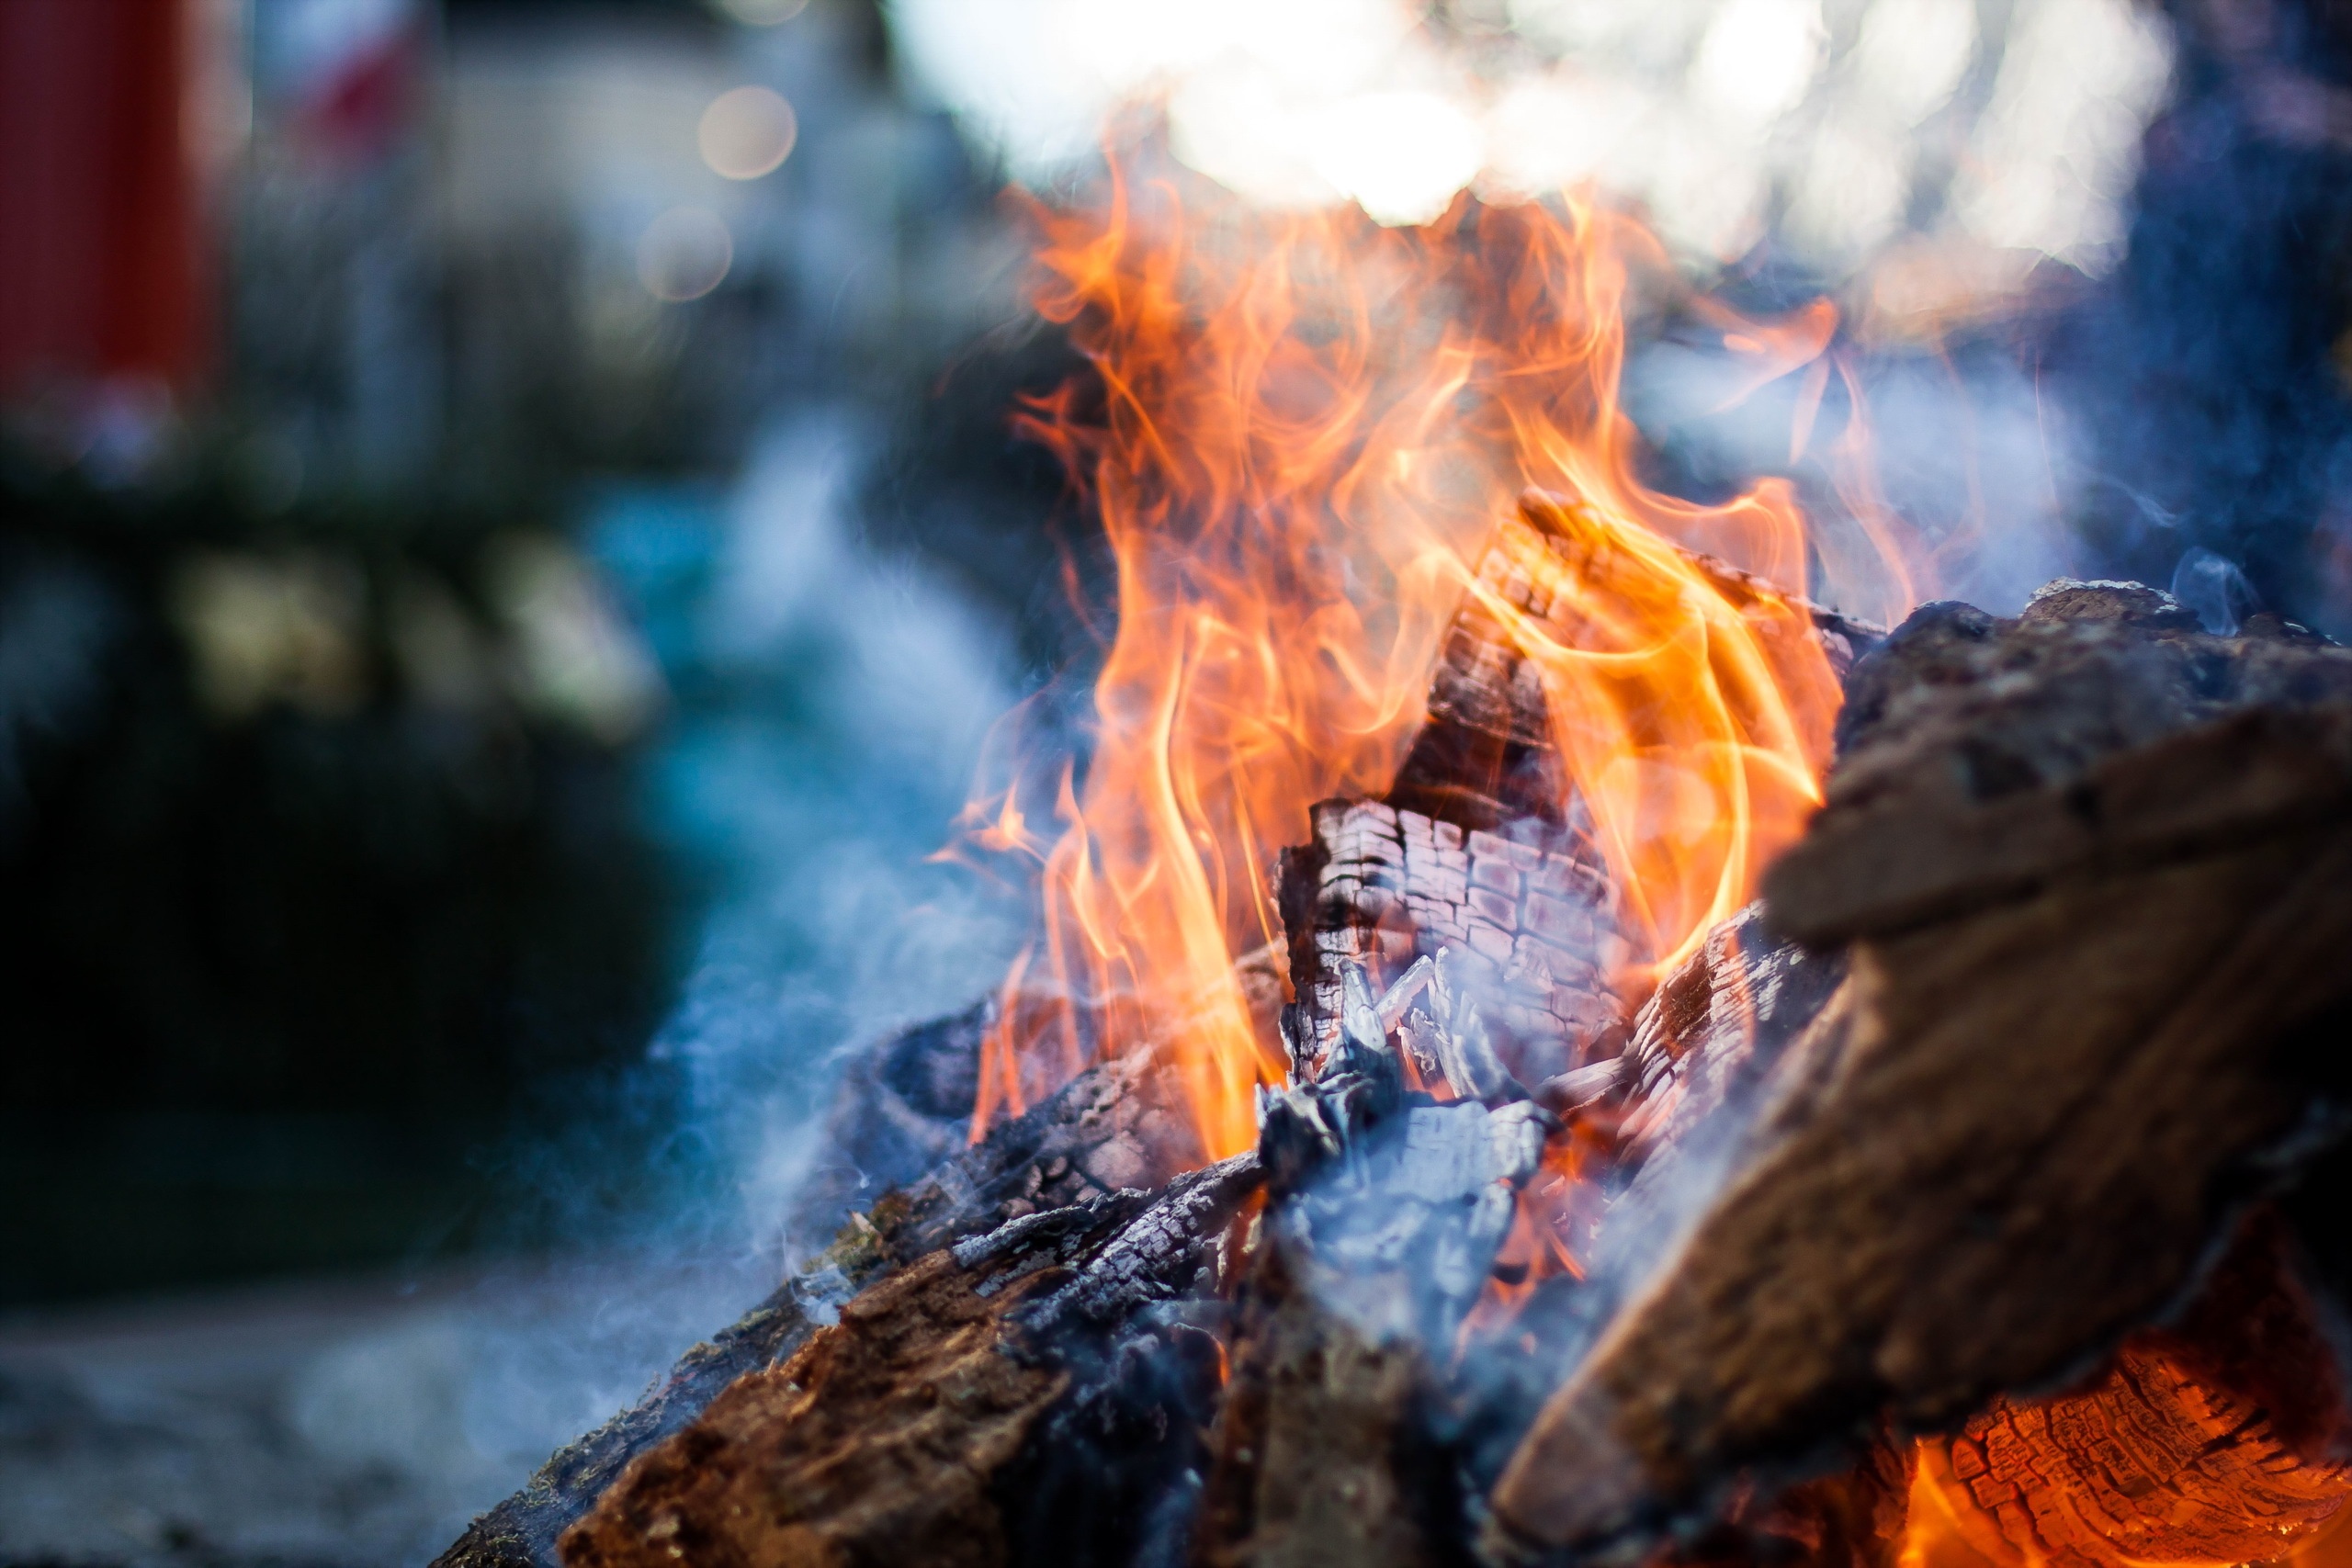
(2012,1132)
(1709,1032)
(1387,1212)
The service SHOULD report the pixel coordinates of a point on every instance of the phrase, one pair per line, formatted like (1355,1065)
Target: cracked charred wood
(1480,848)
(2031,1105)
(1121,1124)
(1526,928)
(888,1437)
(1112,1476)
(1711,1030)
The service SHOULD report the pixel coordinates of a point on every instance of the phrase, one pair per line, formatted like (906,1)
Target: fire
(1301,432)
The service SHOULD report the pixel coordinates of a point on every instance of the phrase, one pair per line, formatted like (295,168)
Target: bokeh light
(1854,132)
(747,132)
(762,13)
(684,254)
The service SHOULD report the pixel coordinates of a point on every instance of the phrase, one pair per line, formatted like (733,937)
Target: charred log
(1525,927)
(887,1438)
(521,1532)
(875,1444)
(1110,1129)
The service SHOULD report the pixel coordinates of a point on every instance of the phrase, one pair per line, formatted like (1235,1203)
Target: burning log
(1524,928)
(2047,1079)
(1386,1215)
(882,1433)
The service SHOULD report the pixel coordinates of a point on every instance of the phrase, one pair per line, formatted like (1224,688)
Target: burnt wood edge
(945,1206)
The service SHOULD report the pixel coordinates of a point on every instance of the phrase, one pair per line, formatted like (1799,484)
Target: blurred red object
(103,268)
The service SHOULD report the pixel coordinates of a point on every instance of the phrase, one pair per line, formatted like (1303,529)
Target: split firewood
(2028,1110)
(1979,757)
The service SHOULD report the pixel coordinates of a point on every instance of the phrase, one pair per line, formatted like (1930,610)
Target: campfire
(1544,1044)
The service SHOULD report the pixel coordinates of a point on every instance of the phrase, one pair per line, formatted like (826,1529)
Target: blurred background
(511,545)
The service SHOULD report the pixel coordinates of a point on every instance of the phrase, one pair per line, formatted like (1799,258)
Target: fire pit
(1411,1140)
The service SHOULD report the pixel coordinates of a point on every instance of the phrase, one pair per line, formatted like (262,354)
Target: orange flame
(1300,435)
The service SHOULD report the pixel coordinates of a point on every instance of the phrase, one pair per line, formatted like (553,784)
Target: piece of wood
(2094,866)
(1528,926)
(876,1444)
(1978,756)
(2007,1140)
(1486,758)
(1709,1032)
(522,1530)
(1112,1127)
(880,1441)
(1320,1458)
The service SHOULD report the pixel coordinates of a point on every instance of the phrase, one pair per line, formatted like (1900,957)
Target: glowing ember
(1301,435)
(2149,1466)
